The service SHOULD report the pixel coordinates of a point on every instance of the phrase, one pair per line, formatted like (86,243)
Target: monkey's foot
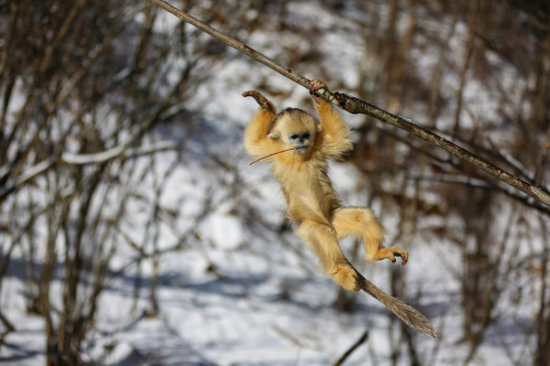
(346,276)
(260,99)
(314,88)
(392,252)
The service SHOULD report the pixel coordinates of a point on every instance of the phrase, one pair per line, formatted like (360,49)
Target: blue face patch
(300,140)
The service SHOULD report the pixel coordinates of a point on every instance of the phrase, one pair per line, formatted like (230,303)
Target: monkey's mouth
(301,148)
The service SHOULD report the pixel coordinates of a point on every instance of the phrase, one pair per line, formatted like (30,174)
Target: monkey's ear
(274,135)
(319,127)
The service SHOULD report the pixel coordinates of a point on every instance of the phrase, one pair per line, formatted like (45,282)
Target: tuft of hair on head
(296,117)
(294,114)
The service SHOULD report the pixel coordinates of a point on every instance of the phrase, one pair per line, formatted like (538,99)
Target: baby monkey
(313,205)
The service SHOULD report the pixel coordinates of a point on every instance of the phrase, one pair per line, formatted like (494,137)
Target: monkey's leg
(361,222)
(322,241)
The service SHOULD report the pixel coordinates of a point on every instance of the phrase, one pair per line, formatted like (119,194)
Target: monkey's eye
(293,137)
(306,136)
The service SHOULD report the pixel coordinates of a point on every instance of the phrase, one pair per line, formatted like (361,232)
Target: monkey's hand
(260,99)
(314,87)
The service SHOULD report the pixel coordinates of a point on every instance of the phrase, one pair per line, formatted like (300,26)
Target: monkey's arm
(256,142)
(335,135)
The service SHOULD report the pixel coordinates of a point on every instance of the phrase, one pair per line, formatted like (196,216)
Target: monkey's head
(296,129)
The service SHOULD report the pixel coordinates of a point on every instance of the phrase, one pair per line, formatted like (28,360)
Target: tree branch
(27,176)
(354,105)
(356,345)
(481,184)
(122,151)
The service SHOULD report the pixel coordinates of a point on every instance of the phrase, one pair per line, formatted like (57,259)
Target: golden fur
(313,204)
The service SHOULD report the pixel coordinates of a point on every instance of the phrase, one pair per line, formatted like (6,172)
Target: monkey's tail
(406,313)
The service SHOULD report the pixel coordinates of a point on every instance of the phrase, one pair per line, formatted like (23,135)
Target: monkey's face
(296,130)
(300,140)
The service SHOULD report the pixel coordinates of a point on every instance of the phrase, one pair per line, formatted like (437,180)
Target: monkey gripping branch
(357,106)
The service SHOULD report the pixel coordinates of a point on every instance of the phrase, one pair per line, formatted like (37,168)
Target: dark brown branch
(481,184)
(359,342)
(355,106)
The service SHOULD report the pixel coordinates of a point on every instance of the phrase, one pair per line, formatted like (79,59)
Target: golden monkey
(313,205)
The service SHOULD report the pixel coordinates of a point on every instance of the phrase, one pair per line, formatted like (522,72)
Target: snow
(271,305)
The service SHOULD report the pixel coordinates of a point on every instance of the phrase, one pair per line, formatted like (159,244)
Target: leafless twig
(364,337)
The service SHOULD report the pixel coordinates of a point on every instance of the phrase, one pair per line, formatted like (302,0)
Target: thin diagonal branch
(364,337)
(355,106)
(481,184)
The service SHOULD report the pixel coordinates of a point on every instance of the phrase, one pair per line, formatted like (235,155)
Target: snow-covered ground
(266,301)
